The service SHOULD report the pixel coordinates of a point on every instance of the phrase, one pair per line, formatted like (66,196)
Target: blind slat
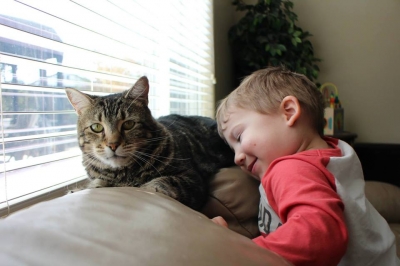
(99,47)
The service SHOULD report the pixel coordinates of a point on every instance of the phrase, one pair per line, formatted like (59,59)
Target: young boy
(313,209)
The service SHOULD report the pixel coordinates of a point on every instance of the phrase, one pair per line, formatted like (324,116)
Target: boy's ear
(291,109)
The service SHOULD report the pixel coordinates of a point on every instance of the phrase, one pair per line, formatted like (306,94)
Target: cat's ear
(140,90)
(79,100)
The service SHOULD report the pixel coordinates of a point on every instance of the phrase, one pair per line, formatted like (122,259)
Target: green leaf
(255,21)
(267,35)
(297,33)
(315,73)
(282,47)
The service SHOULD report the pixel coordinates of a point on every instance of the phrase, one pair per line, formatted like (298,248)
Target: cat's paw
(149,188)
(97,183)
(153,186)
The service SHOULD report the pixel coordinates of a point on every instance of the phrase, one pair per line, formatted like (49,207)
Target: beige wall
(359,42)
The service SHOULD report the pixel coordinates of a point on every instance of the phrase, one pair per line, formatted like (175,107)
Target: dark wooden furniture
(347,136)
(380,161)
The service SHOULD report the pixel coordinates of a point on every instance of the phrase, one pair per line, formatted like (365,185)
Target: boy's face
(258,139)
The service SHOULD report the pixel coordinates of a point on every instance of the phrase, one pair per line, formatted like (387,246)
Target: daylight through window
(99,47)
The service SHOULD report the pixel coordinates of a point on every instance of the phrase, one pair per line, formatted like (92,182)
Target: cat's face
(112,129)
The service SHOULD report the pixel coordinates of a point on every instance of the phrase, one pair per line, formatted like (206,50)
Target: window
(99,47)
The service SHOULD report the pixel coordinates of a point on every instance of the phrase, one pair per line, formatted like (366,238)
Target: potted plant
(268,36)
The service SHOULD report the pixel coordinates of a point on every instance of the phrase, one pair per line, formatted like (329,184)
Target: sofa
(130,226)
(385,197)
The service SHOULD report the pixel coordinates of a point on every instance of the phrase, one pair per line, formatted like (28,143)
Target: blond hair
(264,90)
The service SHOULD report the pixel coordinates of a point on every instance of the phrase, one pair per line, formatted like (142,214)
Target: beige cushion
(122,226)
(385,198)
(234,195)
(396,230)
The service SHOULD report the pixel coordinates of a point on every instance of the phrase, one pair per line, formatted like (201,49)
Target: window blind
(99,47)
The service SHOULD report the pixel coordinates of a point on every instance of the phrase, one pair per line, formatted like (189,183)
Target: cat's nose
(113,146)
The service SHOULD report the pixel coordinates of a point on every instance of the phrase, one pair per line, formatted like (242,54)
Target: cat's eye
(97,128)
(127,125)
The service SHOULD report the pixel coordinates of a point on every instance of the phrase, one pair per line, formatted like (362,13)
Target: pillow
(234,195)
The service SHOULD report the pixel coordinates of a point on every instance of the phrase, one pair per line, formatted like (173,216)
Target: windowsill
(26,186)
(39,196)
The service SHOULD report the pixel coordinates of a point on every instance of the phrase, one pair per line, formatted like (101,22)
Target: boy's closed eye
(237,134)
(238,138)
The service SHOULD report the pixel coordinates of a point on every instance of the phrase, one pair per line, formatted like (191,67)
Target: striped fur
(174,154)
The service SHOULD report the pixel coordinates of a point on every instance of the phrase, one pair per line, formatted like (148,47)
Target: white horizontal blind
(101,47)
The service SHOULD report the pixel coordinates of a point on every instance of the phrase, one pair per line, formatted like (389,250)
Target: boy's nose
(239,158)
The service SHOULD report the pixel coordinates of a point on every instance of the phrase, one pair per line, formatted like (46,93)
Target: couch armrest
(122,226)
(385,198)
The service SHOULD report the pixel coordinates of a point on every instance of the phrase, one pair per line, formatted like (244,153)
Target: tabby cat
(123,145)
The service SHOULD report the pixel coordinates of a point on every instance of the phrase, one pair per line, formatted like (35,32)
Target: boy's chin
(255,176)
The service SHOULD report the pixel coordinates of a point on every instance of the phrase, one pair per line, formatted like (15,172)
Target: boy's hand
(219,220)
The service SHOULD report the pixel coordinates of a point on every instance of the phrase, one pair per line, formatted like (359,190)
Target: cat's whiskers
(136,160)
(154,139)
(90,160)
(154,157)
(146,162)
(158,156)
